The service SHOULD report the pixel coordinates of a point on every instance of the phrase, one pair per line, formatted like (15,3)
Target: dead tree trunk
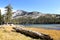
(33,34)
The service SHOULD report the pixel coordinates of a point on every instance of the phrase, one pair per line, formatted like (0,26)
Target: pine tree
(8,14)
(0,18)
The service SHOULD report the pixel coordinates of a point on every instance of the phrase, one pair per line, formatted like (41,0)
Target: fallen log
(33,34)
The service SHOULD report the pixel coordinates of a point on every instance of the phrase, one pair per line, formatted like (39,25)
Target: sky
(44,6)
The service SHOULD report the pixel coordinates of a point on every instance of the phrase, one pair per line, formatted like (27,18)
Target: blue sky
(45,6)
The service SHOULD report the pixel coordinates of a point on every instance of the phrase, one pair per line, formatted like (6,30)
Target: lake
(48,26)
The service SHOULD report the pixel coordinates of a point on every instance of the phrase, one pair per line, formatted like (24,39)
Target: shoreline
(45,28)
(55,34)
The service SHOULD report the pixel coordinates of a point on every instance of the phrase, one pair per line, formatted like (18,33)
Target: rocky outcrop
(34,14)
(21,13)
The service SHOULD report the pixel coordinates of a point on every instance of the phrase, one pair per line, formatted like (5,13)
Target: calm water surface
(48,26)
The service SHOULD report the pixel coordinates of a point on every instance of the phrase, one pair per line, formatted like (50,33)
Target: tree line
(39,20)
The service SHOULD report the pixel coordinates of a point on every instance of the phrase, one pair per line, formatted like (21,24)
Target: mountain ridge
(33,14)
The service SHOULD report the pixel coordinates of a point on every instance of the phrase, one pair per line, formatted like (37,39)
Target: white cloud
(2,10)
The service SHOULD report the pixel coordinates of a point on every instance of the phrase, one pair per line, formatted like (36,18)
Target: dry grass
(55,34)
(7,34)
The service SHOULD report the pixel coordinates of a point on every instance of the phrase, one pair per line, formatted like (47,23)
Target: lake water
(48,26)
